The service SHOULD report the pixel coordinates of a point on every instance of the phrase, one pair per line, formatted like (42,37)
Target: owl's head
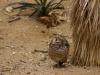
(59,41)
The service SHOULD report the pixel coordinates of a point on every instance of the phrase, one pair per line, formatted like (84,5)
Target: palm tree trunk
(85,21)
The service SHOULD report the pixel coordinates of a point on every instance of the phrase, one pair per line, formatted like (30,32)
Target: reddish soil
(19,41)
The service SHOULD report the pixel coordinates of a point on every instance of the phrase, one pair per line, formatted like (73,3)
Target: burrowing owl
(59,49)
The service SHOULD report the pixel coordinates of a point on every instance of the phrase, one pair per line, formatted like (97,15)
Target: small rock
(85,67)
(37,26)
(9,9)
(30,60)
(13,53)
(42,57)
(15,67)
(43,31)
(28,72)
(12,46)
(22,61)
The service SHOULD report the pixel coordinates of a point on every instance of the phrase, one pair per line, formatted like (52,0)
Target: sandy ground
(20,39)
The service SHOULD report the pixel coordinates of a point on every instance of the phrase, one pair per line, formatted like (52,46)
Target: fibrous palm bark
(85,21)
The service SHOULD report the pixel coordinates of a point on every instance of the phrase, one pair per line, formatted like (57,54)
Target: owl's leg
(60,64)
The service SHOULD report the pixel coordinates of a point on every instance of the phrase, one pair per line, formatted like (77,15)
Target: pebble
(37,26)
(9,9)
(43,31)
(11,46)
(28,72)
(13,53)
(42,57)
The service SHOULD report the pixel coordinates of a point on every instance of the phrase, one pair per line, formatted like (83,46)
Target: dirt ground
(24,46)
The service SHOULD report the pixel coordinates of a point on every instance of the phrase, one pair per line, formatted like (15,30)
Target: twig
(40,51)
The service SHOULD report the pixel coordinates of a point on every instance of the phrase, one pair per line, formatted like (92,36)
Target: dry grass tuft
(86,32)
